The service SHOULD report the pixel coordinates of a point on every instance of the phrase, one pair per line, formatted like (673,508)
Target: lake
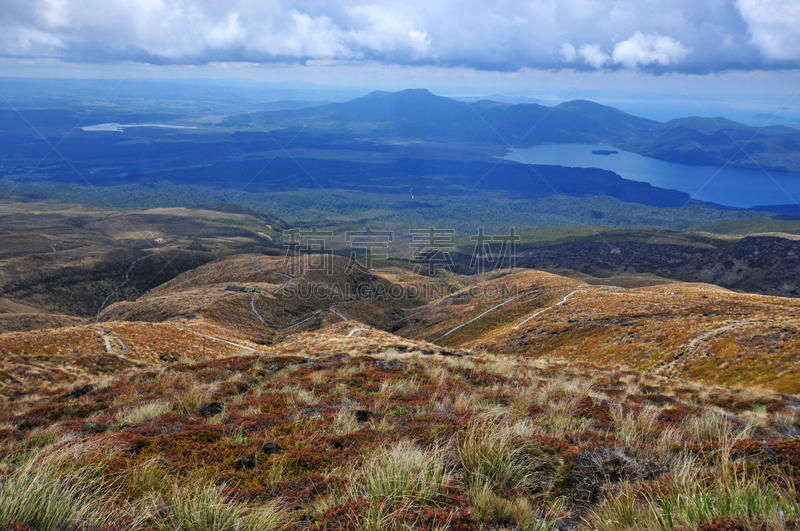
(118,128)
(727,186)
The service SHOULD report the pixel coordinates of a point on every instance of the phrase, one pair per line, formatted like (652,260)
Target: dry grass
(403,472)
(562,388)
(299,395)
(203,508)
(709,425)
(493,454)
(636,427)
(450,437)
(390,388)
(143,413)
(344,421)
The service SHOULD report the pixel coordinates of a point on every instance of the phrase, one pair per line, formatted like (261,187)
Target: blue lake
(727,186)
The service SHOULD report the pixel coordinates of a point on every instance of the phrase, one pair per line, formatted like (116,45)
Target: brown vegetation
(404,437)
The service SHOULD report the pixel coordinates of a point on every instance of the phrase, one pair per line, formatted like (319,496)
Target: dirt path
(127,279)
(540,312)
(234,343)
(285,283)
(472,320)
(694,343)
(314,315)
(257,267)
(108,337)
(253,306)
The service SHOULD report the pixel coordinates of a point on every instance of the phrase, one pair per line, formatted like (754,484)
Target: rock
(269,448)
(564,525)
(793,400)
(363,415)
(77,393)
(332,358)
(209,410)
(389,365)
(93,428)
(137,447)
(246,463)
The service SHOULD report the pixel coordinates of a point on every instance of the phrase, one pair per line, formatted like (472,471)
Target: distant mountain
(709,126)
(501,98)
(718,141)
(417,114)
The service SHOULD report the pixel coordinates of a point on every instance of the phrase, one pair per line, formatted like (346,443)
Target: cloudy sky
(611,43)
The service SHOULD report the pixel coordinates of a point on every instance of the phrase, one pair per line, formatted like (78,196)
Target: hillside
(68,261)
(688,330)
(762,264)
(344,428)
(278,304)
(350,399)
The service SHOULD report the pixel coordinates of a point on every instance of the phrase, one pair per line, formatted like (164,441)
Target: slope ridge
(679,329)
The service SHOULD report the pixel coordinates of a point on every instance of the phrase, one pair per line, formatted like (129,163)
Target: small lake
(118,128)
(727,186)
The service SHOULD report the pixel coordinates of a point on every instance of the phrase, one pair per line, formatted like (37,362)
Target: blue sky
(708,55)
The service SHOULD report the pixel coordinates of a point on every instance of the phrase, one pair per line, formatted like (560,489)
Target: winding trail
(122,346)
(234,343)
(285,283)
(107,341)
(473,319)
(53,247)
(253,306)
(694,343)
(340,315)
(107,338)
(314,315)
(540,312)
(127,279)
(354,330)
(256,266)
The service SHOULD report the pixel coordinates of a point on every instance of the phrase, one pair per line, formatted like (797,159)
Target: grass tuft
(43,495)
(405,472)
(203,508)
(143,413)
(490,454)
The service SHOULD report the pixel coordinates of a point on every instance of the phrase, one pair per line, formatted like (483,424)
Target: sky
(697,53)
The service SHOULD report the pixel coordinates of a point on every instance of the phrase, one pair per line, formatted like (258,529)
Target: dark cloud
(657,37)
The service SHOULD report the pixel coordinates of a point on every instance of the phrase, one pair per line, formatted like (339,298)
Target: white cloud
(643,50)
(54,14)
(420,40)
(506,36)
(568,52)
(774,27)
(593,55)
(228,32)
(28,41)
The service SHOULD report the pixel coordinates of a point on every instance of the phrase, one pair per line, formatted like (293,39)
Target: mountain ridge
(420,114)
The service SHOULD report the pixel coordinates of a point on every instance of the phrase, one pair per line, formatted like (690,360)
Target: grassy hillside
(687,330)
(396,437)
